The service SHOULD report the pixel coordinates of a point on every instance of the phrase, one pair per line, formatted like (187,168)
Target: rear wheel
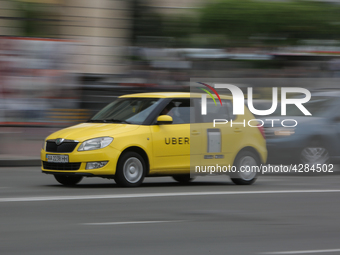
(246,173)
(184,179)
(131,170)
(68,180)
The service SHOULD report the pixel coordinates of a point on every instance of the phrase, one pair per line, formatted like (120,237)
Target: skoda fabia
(155,134)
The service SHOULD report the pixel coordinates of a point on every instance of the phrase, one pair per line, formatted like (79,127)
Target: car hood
(85,131)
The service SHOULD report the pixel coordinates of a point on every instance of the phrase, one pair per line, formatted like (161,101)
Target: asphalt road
(276,215)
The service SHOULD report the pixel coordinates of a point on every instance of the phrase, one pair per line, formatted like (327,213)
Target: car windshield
(127,110)
(316,106)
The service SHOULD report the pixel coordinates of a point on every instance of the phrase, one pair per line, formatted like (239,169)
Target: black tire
(183,178)
(240,177)
(68,180)
(131,170)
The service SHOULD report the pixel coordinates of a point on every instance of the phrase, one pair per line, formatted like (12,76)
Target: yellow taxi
(154,134)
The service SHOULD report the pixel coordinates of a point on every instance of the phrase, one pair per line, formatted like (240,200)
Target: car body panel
(323,128)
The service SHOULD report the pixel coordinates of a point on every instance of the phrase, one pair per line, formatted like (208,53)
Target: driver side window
(179,110)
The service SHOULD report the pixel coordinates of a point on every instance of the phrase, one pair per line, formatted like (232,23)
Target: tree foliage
(292,20)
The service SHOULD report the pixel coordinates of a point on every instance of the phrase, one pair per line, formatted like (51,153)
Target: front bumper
(77,162)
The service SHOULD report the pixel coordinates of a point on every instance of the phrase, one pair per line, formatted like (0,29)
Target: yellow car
(155,134)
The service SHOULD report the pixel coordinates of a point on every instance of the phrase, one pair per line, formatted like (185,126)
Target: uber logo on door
(177,140)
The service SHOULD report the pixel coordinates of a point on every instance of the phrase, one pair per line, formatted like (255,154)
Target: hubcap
(314,155)
(133,170)
(247,174)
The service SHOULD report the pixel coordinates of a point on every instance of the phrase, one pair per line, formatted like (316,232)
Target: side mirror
(164,119)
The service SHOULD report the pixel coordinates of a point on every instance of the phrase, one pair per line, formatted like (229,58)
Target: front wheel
(245,163)
(131,170)
(68,180)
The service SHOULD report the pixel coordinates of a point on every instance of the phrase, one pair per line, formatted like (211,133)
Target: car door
(220,142)
(171,142)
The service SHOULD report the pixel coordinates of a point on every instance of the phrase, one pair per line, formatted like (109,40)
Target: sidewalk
(7,160)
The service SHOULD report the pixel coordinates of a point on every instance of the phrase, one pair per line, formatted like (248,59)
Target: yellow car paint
(166,147)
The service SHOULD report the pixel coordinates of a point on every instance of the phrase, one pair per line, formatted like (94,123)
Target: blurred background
(61,61)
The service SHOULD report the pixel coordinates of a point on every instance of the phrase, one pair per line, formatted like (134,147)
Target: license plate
(57,158)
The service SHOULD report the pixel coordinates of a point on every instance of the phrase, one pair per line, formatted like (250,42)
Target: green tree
(294,20)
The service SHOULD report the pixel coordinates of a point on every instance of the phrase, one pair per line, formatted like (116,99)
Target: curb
(20,163)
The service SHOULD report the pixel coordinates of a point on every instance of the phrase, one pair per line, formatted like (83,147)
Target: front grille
(61,166)
(63,147)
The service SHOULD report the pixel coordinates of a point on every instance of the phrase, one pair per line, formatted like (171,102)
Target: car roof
(171,95)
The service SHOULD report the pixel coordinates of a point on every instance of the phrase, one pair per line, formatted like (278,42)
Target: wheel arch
(316,138)
(141,152)
(320,139)
(251,149)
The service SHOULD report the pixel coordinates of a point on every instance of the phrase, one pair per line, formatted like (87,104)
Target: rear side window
(217,111)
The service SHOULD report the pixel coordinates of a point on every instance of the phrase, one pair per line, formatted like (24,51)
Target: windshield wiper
(116,120)
(109,120)
(96,121)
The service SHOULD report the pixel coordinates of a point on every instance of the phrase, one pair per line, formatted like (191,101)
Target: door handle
(195,132)
(237,130)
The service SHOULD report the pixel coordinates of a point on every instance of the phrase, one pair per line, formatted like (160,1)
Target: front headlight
(95,143)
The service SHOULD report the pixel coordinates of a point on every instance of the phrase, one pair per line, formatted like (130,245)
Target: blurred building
(102,27)
(175,6)
(47,46)
(10,24)
(99,28)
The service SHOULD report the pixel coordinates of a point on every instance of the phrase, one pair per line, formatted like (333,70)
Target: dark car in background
(314,140)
